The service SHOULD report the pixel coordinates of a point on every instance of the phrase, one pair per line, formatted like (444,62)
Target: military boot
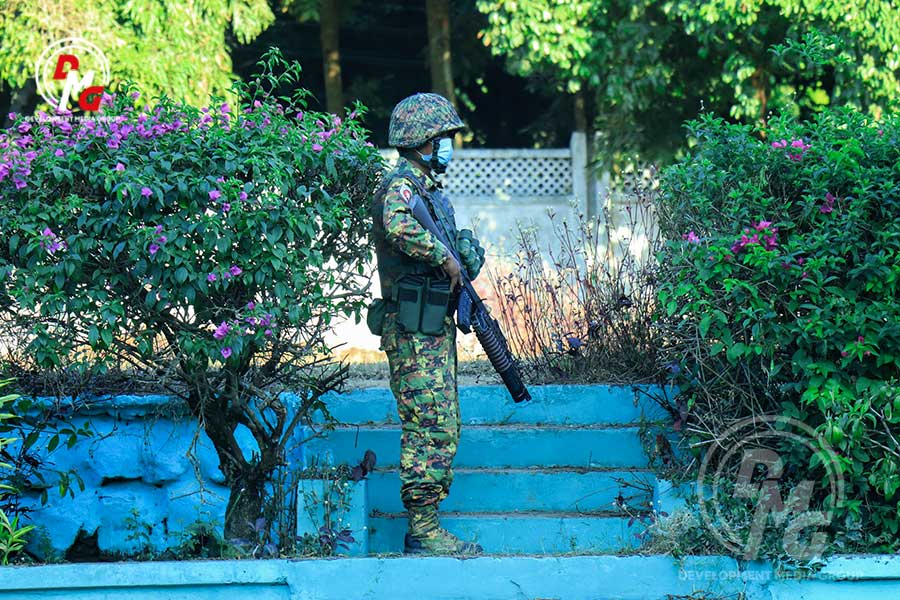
(425,535)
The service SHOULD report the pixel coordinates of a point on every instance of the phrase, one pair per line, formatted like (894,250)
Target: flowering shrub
(780,294)
(210,246)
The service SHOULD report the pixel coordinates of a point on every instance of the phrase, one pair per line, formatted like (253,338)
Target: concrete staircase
(546,477)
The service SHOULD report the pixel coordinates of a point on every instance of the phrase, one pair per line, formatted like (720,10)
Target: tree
(331,54)
(209,247)
(138,38)
(646,66)
(439,57)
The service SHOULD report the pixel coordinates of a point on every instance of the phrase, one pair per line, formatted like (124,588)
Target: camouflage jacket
(402,245)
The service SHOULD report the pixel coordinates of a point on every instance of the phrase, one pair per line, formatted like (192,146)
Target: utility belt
(421,303)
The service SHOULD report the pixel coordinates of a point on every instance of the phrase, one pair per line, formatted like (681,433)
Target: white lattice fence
(530,174)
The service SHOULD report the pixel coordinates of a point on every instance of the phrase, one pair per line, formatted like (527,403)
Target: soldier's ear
(426,148)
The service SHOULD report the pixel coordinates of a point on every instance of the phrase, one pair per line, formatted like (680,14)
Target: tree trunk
(21,101)
(330,20)
(245,506)
(438,15)
(439,57)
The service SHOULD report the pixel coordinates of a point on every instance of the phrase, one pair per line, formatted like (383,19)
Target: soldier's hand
(451,268)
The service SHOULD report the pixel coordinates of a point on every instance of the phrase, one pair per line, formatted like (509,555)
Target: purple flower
(211,277)
(226,207)
(47,232)
(215,195)
(221,331)
(146,192)
(829,204)
(780,144)
(235,270)
(691,237)
(268,332)
(243,195)
(19,183)
(762,225)
(251,305)
(120,167)
(317,147)
(220,180)
(153,249)
(158,229)
(162,239)
(226,352)
(59,152)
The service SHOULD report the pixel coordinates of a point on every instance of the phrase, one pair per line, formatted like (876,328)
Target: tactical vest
(393,264)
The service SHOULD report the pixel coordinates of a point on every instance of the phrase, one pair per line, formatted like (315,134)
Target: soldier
(418,277)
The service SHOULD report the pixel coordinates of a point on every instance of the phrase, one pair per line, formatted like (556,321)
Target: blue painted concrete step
(543,533)
(491,404)
(520,490)
(494,447)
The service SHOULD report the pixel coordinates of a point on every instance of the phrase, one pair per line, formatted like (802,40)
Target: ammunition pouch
(422,304)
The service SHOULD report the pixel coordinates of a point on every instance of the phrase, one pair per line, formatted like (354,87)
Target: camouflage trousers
(423,380)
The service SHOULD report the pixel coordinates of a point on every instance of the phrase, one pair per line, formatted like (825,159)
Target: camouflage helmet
(420,117)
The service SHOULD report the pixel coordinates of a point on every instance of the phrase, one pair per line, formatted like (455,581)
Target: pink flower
(221,331)
(860,339)
(829,204)
(120,167)
(844,353)
(215,195)
(146,192)
(226,352)
(59,152)
(691,237)
(317,147)
(780,144)
(762,225)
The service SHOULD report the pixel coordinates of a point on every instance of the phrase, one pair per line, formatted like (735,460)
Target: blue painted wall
(488,578)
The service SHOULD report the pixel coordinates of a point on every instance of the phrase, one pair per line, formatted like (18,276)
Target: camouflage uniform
(423,367)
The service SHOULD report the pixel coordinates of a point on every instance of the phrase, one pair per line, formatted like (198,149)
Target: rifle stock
(473,315)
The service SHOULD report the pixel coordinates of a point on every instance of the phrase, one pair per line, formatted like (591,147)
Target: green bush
(211,247)
(779,294)
(12,536)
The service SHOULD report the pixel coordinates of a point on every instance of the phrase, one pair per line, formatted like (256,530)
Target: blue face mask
(444,154)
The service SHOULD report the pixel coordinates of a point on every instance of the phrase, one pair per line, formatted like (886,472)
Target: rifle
(473,315)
